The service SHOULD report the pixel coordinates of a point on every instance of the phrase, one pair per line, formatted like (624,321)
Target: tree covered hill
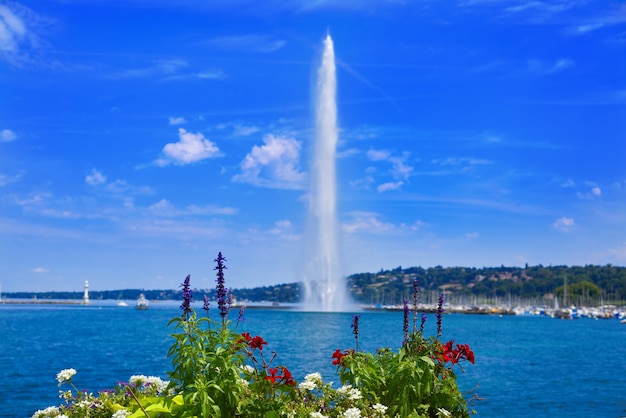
(582,285)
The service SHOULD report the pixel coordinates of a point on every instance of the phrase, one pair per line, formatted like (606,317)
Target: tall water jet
(324,285)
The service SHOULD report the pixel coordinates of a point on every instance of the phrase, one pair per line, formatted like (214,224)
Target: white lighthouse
(86,294)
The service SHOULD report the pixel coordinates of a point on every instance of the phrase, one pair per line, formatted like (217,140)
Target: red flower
(287,377)
(256,342)
(272,376)
(338,356)
(465,352)
(245,338)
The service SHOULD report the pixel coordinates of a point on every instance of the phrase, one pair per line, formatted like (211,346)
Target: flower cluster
(253,342)
(453,355)
(149,384)
(65,375)
(286,378)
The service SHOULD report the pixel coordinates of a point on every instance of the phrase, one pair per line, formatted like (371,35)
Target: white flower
(243,382)
(65,375)
(378,407)
(354,394)
(122,413)
(248,368)
(317,415)
(137,380)
(443,412)
(352,413)
(344,389)
(307,385)
(314,377)
(159,384)
(51,411)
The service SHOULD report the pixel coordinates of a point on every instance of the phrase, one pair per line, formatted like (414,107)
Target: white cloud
(95,178)
(189,149)
(274,164)
(399,169)
(177,120)
(593,193)
(40,270)
(472,235)
(385,187)
(563,224)
(7,135)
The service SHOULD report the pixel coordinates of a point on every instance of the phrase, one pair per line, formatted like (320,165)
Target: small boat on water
(122,303)
(142,303)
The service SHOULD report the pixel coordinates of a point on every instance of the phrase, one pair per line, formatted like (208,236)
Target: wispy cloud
(370,223)
(248,43)
(619,252)
(274,164)
(540,67)
(159,68)
(385,187)
(177,120)
(4,179)
(165,208)
(40,270)
(189,149)
(245,130)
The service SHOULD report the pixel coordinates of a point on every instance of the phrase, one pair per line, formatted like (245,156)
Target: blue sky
(139,138)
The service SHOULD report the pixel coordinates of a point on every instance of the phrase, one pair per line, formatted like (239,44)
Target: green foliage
(413,382)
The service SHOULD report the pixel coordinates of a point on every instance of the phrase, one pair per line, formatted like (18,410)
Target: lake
(526,366)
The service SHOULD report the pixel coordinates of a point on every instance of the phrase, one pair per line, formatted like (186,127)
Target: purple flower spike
(186,305)
(416,292)
(439,313)
(223,299)
(205,306)
(424,318)
(355,329)
(240,318)
(405,324)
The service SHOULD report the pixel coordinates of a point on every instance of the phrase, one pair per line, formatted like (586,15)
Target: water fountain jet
(324,284)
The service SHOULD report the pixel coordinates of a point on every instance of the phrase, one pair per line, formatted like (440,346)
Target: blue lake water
(525,366)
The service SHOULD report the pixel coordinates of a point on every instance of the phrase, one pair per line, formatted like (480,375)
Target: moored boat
(142,303)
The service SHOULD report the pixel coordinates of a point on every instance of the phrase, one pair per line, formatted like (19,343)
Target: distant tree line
(582,285)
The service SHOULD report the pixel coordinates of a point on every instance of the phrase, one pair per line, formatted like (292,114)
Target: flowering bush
(219,372)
